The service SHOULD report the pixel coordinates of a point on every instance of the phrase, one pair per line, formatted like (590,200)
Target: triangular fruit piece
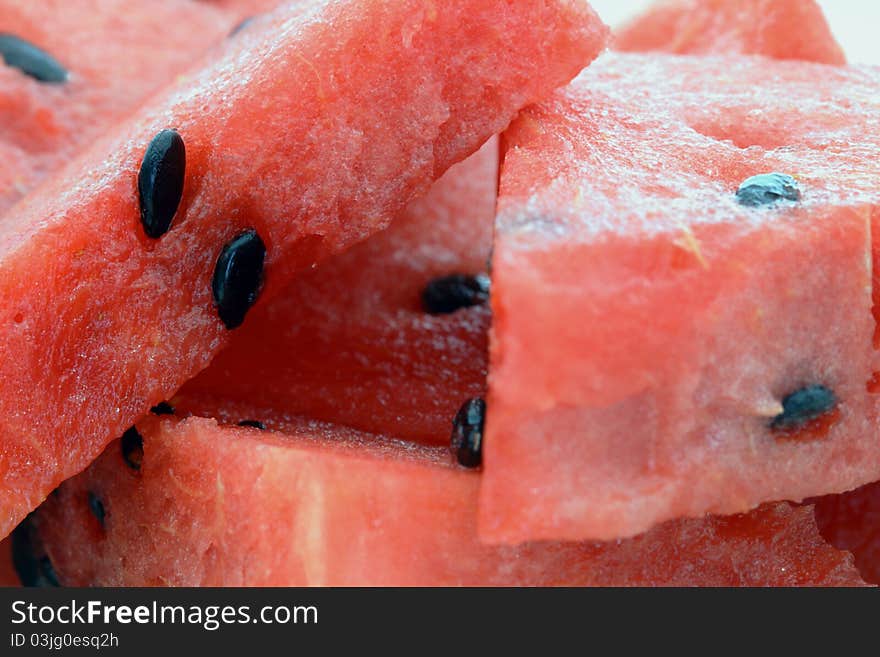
(71,73)
(190,502)
(682,296)
(782,29)
(353,342)
(110,305)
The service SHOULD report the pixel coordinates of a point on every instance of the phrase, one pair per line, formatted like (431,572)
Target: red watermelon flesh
(117,53)
(349,341)
(106,322)
(782,29)
(851,521)
(324,505)
(680,319)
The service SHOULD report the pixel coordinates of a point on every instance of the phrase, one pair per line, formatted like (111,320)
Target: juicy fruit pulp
(327,166)
(350,341)
(681,320)
(324,505)
(776,544)
(116,53)
(782,29)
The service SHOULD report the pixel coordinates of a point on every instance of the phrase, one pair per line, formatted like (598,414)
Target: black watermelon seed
(160,182)
(162,408)
(238,277)
(31,60)
(766,189)
(133,448)
(450,293)
(256,424)
(802,406)
(467,433)
(96,506)
(33,566)
(241,26)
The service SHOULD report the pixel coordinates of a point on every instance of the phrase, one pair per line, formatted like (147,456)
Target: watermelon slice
(707,355)
(196,503)
(115,53)
(106,322)
(782,29)
(350,341)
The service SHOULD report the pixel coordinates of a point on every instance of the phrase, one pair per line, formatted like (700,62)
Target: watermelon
(782,29)
(191,502)
(851,521)
(106,321)
(116,53)
(668,341)
(350,341)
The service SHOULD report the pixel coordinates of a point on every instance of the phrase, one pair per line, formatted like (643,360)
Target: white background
(855,23)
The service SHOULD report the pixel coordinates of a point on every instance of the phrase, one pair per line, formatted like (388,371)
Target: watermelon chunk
(683,322)
(349,342)
(116,53)
(324,505)
(782,29)
(106,322)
